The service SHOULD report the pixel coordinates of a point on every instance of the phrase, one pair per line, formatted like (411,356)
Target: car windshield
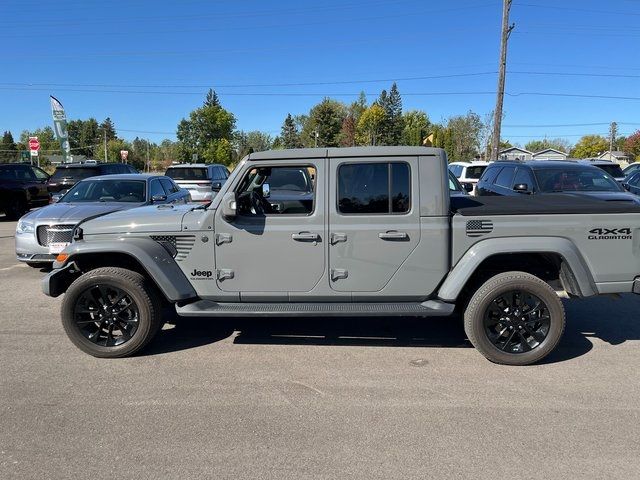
(75,174)
(288,179)
(130,191)
(575,180)
(475,172)
(187,173)
(614,170)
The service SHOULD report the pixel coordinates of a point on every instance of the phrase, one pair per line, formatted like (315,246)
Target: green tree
(290,136)
(463,136)
(212,100)
(203,134)
(8,148)
(109,128)
(590,146)
(370,125)
(392,127)
(323,124)
(85,137)
(348,131)
(415,127)
(555,143)
(254,141)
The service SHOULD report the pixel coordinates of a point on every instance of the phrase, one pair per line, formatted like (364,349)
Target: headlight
(24,227)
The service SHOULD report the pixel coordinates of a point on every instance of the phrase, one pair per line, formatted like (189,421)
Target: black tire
(525,342)
(16,208)
(143,326)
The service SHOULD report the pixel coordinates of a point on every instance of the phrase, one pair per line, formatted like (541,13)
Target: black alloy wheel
(517,321)
(106,315)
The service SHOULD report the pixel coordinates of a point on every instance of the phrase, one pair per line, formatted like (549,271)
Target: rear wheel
(111,312)
(514,318)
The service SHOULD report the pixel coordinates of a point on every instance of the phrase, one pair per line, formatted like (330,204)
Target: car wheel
(514,318)
(111,312)
(16,208)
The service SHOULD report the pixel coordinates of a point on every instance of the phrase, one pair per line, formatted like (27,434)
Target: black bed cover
(539,205)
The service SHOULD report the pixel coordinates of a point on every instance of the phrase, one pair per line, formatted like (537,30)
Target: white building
(550,154)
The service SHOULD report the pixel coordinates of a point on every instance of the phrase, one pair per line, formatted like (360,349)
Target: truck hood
(154,218)
(75,212)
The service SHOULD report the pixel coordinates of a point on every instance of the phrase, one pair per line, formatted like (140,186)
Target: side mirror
(216,186)
(468,187)
(266,190)
(158,198)
(229,205)
(521,188)
(626,186)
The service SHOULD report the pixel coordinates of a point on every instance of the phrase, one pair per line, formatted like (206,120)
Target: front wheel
(111,312)
(514,318)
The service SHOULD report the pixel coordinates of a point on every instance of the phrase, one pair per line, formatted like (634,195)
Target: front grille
(48,234)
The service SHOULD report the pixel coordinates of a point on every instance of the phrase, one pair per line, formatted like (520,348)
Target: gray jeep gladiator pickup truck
(379,235)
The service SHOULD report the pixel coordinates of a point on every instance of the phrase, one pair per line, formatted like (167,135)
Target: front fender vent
(178,245)
(477,228)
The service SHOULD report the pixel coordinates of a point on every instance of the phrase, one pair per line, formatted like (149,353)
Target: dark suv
(534,177)
(22,187)
(68,174)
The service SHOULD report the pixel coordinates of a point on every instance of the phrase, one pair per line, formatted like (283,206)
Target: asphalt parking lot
(334,399)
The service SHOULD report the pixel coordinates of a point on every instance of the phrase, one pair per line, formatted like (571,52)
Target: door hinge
(224,274)
(223,238)
(338,273)
(337,238)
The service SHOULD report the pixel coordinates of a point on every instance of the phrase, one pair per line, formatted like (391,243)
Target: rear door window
(374,188)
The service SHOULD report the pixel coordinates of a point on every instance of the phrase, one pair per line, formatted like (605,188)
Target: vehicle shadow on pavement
(609,320)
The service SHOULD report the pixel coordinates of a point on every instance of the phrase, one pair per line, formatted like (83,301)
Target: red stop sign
(34,144)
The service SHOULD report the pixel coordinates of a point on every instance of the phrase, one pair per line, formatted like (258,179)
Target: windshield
(187,173)
(75,174)
(289,179)
(130,191)
(614,170)
(575,180)
(475,172)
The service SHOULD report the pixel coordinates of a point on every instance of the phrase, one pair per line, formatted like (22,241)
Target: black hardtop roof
(347,152)
(541,164)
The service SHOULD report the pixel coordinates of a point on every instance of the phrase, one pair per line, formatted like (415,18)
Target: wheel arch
(541,256)
(142,255)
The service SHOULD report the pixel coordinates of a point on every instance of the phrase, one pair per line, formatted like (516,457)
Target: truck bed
(548,204)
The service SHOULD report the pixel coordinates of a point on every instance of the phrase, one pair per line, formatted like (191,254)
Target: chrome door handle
(393,235)
(305,237)
(337,238)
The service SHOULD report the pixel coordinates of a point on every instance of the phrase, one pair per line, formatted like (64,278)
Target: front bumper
(56,282)
(29,250)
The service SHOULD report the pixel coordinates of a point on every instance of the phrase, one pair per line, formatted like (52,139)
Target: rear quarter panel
(608,244)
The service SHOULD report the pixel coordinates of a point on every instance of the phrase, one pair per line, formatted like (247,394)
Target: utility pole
(613,133)
(105,146)
(497,115)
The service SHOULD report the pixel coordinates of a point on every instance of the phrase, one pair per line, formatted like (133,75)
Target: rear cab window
(474,172)
(374,188)
(188,173)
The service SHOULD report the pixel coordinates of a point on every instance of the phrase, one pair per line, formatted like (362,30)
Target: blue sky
(146,64)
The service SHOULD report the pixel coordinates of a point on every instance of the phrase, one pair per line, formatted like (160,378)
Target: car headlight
(24,227)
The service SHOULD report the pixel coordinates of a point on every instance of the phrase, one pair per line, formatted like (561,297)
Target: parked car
(68,174)
(536,177)
(632,183)
(43,233)
(202,180)
(455,187)
(631,168)
(383,238)
(612,168)
(468,173)
(22,187)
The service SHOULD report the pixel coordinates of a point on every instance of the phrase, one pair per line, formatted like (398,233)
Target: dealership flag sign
(60,127)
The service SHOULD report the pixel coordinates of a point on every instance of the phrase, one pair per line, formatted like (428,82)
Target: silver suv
(202,180)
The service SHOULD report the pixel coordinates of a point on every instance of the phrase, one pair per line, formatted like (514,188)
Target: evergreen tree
(212,99)
(391,130)
(8,148)
(108,127)
(290,137)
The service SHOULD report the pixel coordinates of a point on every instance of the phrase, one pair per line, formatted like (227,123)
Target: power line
(573,9)
(569,125)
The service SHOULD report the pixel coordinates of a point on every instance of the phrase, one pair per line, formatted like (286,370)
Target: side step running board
(208,308)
